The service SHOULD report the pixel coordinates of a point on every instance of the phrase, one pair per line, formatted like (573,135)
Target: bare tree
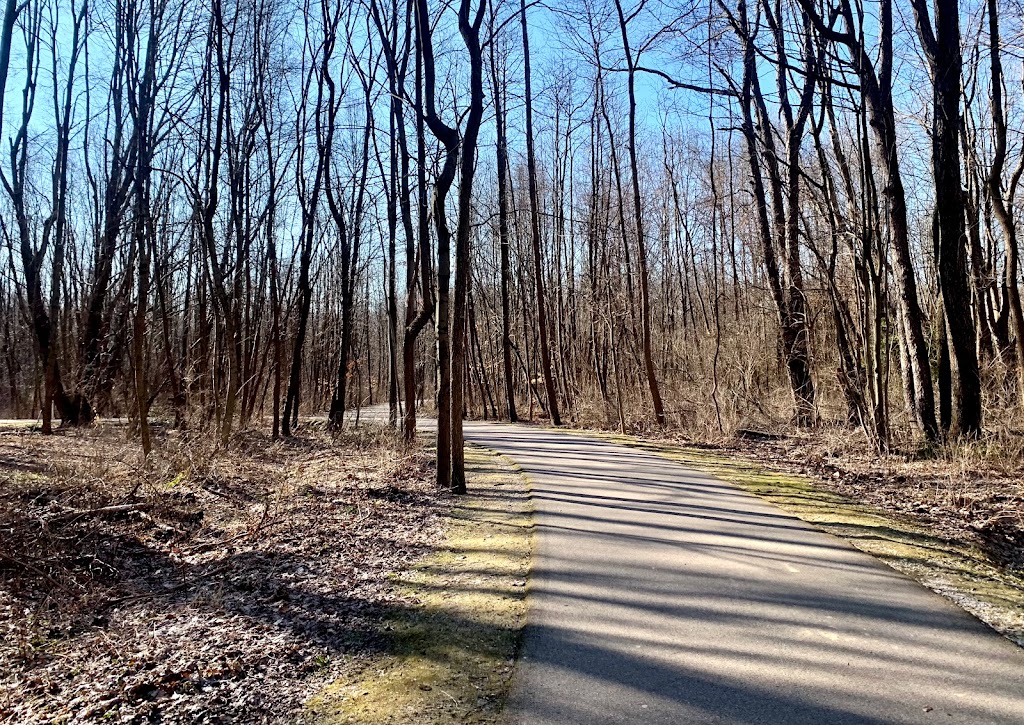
(641,239)
(876,84)
(535,240)
(941,44)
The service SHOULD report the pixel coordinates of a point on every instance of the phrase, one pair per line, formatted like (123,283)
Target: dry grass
(201,585)
(451,656)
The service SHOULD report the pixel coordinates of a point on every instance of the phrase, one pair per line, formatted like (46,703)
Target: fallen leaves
(225,597)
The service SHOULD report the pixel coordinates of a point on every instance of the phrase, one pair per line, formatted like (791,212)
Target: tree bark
(641,240)
(535,238)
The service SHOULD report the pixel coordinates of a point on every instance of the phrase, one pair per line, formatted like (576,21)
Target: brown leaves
(222,594)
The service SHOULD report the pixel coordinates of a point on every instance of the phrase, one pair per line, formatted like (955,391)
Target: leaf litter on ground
(202,585)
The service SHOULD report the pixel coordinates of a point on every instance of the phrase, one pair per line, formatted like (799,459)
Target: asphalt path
(662,595)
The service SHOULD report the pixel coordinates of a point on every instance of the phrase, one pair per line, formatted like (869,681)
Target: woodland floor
(201,587)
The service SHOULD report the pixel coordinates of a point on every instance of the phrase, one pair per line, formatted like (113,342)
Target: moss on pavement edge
(958,571)
(451,657)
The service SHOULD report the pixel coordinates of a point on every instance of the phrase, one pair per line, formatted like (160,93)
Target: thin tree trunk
(641,240)
(535,239)
(501,151)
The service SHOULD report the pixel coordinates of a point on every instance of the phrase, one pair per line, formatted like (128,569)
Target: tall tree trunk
(1002,203)
(641,240)
(535,238)
(469,28)
(501,158)
(942,48)
(143,227)
(449,138)
(415,320)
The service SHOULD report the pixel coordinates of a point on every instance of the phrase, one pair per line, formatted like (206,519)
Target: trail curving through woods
(659,594)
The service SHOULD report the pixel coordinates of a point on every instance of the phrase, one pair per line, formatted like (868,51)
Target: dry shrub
(233,575)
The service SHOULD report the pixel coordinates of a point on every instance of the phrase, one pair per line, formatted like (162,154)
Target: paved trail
(662,595)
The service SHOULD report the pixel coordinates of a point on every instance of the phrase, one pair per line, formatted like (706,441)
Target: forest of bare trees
(718,215)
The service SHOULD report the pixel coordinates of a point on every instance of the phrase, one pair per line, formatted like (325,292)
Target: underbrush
(200,585)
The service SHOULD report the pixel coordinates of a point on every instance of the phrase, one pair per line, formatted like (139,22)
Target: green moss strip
(451,657)
(958,571)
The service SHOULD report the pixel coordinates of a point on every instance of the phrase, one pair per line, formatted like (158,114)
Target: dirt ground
(200,586)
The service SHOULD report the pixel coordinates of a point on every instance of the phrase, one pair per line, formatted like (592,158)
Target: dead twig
(31,567)
(76,514)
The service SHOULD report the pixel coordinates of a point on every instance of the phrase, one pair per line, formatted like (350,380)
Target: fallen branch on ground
(101,511)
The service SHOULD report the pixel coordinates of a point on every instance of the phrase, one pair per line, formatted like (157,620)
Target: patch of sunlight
(450,658)
(959,571)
